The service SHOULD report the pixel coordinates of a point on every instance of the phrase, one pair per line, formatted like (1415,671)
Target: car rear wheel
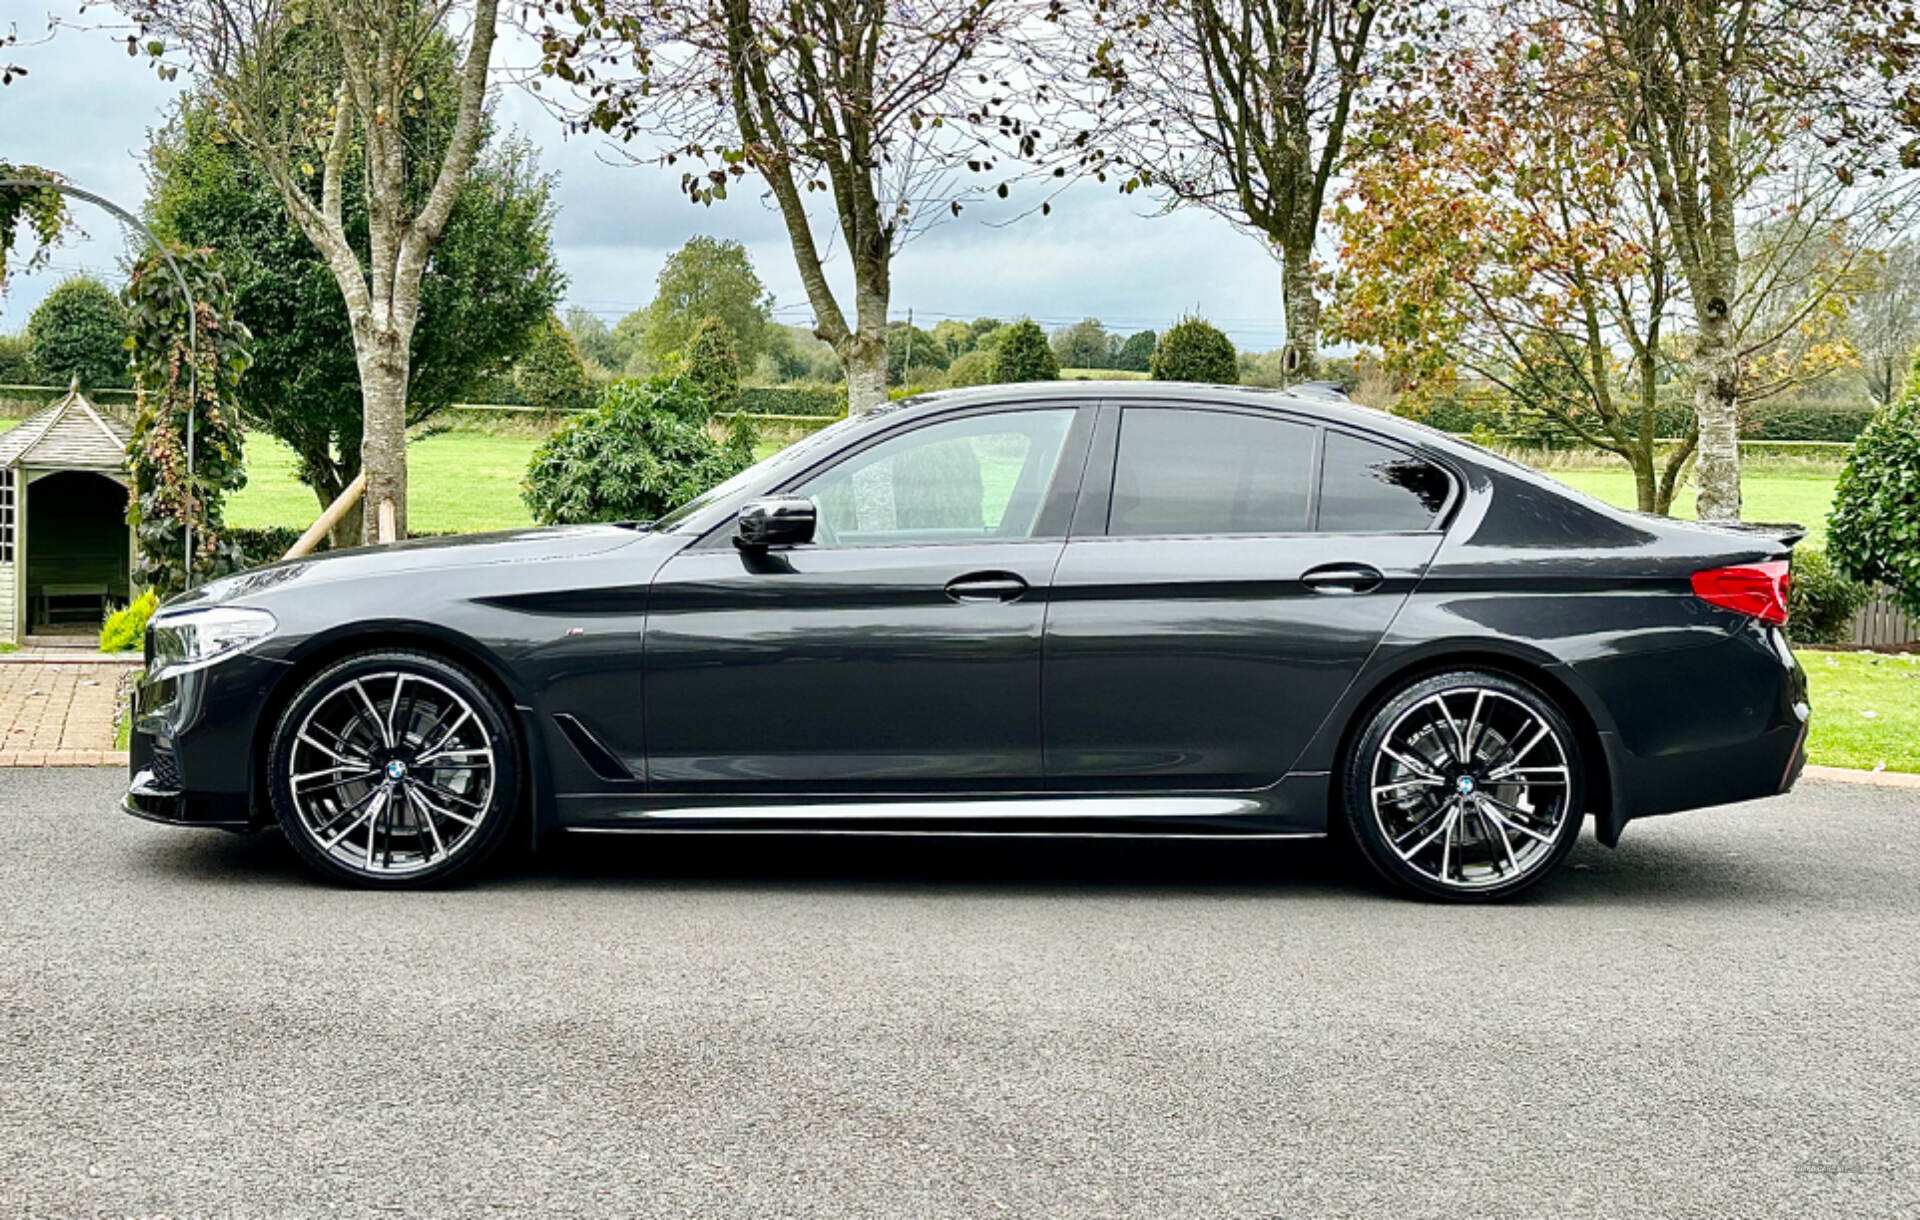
(1465,786)
(394,769)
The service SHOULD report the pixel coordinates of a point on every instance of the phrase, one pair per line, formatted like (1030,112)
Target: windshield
(793,455)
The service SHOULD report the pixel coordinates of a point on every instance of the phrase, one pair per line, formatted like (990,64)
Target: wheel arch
(1525,665)
(322,650)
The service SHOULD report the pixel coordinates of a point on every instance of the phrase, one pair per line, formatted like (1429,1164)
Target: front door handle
(986,587)
(1338,578)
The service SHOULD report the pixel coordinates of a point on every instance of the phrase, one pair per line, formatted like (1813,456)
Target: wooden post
(385,517)
(336,510)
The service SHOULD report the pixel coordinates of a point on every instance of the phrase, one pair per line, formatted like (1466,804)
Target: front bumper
(191,755)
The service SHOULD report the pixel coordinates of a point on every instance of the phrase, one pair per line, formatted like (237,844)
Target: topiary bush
(1195,350)
(79,331)
(711,364)
(1873,533)
(1822,600)
(1023,354)
(644,450)
(550,373)
(125,629)
(974,368)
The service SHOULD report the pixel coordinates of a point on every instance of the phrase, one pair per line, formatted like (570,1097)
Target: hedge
(1761,421)
(791,400)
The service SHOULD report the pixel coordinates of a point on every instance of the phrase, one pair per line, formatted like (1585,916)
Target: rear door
(1229,571)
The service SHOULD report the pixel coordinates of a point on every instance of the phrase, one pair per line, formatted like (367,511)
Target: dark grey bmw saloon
(1064,609)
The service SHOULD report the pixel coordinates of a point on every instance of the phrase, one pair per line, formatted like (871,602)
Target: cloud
(86,108)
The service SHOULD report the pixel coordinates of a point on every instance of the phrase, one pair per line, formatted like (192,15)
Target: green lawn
(459,482)
(1102,375)
(1802,496)
(1866,709)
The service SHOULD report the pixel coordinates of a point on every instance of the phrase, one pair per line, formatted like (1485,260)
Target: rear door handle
(1340,578)
(986,587)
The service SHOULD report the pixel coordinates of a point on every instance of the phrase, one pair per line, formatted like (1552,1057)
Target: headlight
(194,639)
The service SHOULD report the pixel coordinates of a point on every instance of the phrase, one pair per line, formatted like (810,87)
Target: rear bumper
(1720,725)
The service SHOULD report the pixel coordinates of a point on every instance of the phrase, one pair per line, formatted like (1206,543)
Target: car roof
(1320,400)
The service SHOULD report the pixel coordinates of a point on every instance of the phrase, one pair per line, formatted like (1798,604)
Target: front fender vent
(595,755)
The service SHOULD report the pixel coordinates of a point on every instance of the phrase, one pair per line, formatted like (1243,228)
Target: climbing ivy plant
(40,209)
(166,502)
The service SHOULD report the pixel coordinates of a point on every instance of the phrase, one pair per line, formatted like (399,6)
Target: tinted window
(983,476)
(1369,487)
(1210,472)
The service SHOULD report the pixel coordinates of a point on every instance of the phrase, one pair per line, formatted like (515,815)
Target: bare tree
(1241,107)
(1885,323)
(877,104)
(303,115)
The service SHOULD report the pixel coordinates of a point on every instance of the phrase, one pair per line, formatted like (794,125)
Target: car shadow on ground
(1651,868)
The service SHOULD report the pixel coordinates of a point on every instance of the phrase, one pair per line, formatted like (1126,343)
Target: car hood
(534,545)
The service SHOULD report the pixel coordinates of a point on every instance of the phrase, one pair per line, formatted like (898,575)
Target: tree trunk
(384,366)
(864,353)
(1716,404)
(1301,356)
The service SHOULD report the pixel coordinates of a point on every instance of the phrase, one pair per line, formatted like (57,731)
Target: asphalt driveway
(1720,1019)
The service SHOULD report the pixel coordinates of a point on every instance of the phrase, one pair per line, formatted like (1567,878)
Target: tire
(1465,786)
(395,770)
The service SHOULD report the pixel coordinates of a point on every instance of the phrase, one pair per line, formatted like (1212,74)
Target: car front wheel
(393,769)
(1465,786)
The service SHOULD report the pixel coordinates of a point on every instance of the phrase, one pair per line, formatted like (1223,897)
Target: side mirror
(777,521)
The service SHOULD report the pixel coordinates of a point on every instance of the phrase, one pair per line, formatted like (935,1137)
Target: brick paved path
(59,713)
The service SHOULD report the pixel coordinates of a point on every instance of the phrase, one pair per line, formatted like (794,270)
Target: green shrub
(1822,601)
(641,452)
(1023,354)
(712,365)
(551,374)
(265,544)
(974,368)
(125,629)
(1873,533)
(1195,350)
(1136,354)
(79,331)
(816,399)
(16,365)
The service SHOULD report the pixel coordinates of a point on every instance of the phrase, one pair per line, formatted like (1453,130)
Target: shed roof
(72,434)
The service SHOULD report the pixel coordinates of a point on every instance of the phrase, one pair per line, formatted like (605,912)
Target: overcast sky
(85,109)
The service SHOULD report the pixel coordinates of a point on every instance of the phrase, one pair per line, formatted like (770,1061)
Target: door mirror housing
(775,521)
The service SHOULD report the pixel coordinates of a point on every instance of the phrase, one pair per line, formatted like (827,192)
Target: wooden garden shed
(65,550)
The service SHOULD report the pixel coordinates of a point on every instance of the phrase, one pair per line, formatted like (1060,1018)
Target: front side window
(1370,488)
(964,480)
(1210,472)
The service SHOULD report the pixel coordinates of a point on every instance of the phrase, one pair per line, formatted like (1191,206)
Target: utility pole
(906,375)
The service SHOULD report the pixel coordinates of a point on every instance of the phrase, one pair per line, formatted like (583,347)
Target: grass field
(1804,495)
(460,482)
(1866,709)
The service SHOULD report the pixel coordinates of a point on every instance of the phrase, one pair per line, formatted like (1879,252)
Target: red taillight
(1759,589)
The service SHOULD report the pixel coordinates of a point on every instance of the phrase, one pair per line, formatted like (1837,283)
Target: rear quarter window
(1366,487)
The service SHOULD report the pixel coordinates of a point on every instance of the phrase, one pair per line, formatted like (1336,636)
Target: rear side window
(1366,487)
(1210,472)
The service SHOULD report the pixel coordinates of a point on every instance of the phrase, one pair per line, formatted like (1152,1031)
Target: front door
(897,652)
(1211,609)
